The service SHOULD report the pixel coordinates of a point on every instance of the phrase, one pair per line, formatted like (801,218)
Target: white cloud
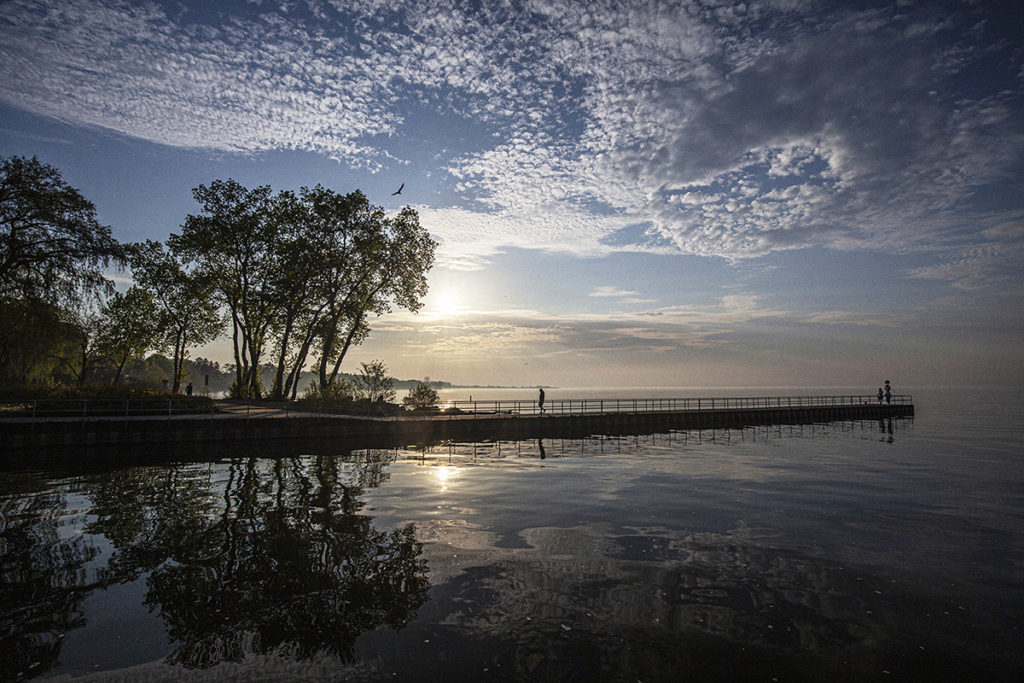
(731,130)
(608,291)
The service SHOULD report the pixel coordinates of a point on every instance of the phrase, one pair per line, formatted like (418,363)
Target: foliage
(83,321)
(88,390)
(128,328)
(186,312)
(422,396)
(301,273)
(51,245)
(234,245)
(338,396)
(373,383)
(33,338)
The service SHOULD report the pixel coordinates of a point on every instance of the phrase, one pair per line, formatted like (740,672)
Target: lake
(840,551)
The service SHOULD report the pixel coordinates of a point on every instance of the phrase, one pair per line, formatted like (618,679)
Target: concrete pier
(253,432)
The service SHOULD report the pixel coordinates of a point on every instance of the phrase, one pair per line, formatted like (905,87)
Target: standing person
(880,395)
(540,399)
(188,389)
(888,393)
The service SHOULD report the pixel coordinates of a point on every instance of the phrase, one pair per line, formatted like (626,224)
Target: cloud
(727,130)
(606,291)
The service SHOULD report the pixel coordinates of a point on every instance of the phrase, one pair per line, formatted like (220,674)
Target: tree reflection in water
(255,556)
(289,563)
(42,579)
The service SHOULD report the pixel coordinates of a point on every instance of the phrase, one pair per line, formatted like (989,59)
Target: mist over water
(843,551)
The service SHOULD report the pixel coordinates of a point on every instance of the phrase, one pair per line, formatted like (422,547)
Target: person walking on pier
(880,395)
(888,393)
(540,399)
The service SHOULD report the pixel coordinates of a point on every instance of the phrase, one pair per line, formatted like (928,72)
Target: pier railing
(84,409)
(592,406)
(106,407)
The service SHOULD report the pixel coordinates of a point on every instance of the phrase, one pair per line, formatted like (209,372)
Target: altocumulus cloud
(731,130)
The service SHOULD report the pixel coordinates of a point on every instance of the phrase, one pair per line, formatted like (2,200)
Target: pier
(37,431)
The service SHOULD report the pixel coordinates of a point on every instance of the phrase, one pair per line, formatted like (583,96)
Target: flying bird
(399,190)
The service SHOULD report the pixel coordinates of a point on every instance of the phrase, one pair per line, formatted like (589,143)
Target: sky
(652,193)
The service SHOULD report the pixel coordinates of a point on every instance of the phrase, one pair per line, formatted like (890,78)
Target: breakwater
(178,435)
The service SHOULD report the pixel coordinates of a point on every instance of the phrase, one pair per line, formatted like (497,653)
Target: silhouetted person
(540,445)
(888,393)
(188,389)
(879,395)
(540,399)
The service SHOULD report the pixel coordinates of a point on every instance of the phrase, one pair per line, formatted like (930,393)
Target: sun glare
(446,304)
(445,475)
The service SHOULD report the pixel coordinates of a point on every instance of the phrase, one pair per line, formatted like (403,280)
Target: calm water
(852,550)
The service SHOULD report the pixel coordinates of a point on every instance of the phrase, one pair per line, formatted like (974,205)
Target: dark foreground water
(844,551)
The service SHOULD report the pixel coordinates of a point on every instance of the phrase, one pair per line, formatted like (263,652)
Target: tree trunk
(344,349)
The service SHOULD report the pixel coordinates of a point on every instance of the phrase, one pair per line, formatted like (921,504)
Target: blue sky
(625,193)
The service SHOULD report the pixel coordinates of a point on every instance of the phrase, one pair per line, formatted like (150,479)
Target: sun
(446,303)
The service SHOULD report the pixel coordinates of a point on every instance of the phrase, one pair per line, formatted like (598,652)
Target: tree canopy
(51,245)
(296,276)
(185,312)
(301,274)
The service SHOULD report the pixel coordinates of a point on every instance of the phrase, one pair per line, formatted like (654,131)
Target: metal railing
(83,409)
(591,406)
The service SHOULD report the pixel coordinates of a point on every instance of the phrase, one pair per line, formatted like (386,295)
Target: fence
(659,405)
(101,407)
(113,408)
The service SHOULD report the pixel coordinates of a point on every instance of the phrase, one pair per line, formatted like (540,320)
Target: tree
(32,340)
(341,260)
(187,314)
(83,322)
(51,245)
(392,270)
(128,328)
(233,242)
(302,274)
(374,383)
(421,396)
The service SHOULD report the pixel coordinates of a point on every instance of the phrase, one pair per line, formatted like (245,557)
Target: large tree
(51,245)
(187,315)
(302,273)
(355,262)
(234,243)
(391,268)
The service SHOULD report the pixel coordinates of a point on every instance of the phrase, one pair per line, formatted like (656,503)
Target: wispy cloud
(728,130)
(626,296)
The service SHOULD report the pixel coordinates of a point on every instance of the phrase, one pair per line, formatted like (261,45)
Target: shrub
(338,396)
(421,397)
(374,384)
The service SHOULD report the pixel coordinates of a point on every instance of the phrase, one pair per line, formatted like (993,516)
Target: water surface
(841,551)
